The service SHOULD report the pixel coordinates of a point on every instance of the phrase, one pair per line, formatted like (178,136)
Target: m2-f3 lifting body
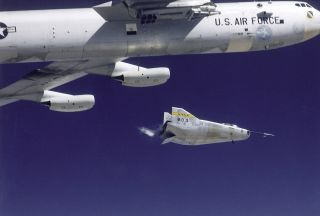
(96,40)
(181,127)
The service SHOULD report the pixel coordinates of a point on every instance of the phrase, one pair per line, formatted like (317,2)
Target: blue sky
(97,163)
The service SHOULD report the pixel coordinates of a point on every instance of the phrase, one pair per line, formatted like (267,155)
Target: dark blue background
(97,163)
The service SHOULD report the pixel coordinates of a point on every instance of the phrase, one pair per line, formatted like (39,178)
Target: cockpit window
(303,5)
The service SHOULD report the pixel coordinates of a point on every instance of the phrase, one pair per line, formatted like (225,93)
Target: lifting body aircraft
(182,127)
(97,40)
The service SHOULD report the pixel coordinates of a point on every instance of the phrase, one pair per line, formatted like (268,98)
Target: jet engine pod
(70,103)
(143,77)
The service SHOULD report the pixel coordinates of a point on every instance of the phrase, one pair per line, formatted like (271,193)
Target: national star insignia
(2,31)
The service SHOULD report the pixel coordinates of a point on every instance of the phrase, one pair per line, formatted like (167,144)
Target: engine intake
(142,77)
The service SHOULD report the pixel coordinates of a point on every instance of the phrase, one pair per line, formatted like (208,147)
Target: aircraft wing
(143,4)
(149,11)
(34,86)
(49,77)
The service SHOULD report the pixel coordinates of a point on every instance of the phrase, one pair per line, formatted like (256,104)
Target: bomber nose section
(317,16)
(312,26)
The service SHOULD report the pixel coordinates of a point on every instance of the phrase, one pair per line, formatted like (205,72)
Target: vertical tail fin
(172,124)
(181,116)
(182,113)
(166,117)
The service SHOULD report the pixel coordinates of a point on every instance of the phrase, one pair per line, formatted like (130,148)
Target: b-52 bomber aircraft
(97,40)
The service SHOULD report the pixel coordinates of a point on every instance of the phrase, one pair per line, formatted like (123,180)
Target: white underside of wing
(33,85)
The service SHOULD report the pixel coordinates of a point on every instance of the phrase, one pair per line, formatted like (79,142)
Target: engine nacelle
(67,103)
(143,77)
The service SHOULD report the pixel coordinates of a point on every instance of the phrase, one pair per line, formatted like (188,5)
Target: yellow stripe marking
(182,115)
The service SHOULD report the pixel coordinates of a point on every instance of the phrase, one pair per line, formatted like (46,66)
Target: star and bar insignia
(5,30)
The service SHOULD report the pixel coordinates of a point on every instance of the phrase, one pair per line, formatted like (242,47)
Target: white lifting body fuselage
(207,133)
(76,34)
(183,128)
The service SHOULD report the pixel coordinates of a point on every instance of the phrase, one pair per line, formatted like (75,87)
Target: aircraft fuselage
(75,34)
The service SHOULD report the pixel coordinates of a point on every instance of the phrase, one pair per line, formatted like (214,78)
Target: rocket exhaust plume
(147,131)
